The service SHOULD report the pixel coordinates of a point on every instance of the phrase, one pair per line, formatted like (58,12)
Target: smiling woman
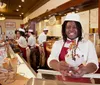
(73,56)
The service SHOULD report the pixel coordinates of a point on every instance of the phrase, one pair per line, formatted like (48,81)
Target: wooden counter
(56,82)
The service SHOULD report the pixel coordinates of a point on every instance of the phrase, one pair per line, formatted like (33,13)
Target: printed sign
(10,24)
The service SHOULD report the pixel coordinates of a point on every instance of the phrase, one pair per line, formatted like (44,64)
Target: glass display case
(14,70)
(94,37)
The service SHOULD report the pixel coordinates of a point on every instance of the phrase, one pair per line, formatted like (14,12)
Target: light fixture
(23,0)
(17,10)
(22,13)
(19,6)
(2,5)
(2,18)
(77,10)
(1,14)
(46,20)
(71,8)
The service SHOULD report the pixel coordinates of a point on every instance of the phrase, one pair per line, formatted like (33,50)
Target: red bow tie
(70,41)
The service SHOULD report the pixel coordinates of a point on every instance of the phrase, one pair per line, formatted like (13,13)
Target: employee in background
(73,56)
(31,39)
(2,39)
(43,36)
(22,43)
(31,44)
(16,34)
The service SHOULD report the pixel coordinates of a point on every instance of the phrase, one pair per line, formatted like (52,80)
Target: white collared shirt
(22,42)
(31,40)
(85,46)
(42,38)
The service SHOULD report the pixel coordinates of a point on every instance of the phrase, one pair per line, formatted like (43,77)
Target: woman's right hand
(64,68)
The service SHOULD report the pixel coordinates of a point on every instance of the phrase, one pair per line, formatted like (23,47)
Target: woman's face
(71,30)
(18,34)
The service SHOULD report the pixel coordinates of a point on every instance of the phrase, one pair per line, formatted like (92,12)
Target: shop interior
(38,15)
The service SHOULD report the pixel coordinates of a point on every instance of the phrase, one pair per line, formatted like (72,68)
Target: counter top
(52,72)
(56,82)
(24,72)
(19,80)
(23,68)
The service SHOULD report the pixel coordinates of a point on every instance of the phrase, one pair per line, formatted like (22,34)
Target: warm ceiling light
(22,13)
(17,9)
(23,0)
(1,14)
(46,20)
(71,8)
(65,14)
(76,11)
(2,18)
(19,6)
(2,5)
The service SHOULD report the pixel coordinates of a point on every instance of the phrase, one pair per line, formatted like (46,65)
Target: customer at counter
(73,56)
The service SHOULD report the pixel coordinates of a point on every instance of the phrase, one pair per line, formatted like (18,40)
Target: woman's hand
(89,68)
(67,70)
(64,68)
(79,73)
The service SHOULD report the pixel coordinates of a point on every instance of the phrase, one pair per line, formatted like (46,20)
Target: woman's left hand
(79,73)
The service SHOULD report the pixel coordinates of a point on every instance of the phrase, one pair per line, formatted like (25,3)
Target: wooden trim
(52,72)
(65,7)
(35,7)
(99,18)
(70,4)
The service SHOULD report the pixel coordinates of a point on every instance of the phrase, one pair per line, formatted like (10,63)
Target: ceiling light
(46,20)
(71,8)
(2,5)
(23,0)
(1,14)
(17,9)
(76,11)
(2,18)
(65,14)
(22,13)
(19,6)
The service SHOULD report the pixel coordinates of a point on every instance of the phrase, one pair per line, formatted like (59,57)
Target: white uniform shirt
(31,40)
(85,46)
(42,38)
(22,42)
